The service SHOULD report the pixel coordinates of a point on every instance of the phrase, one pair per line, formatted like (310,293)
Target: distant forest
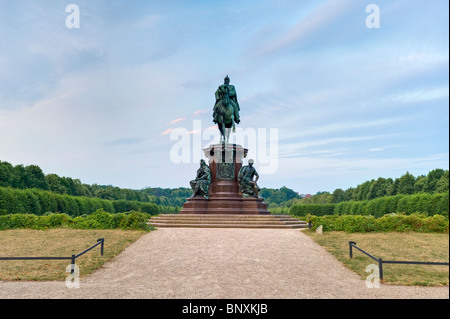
(32,176)
(436,181)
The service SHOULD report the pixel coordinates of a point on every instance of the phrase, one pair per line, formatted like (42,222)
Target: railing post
(72,266)
(380,268)
(101,245)
(350,246)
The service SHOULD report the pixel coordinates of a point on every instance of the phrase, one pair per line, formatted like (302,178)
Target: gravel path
(198,263)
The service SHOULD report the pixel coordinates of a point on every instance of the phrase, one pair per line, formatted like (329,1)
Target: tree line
(32,176)
(435,182)
(429,204)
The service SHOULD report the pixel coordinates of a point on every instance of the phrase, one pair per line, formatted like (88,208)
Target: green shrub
(108,206)
(436,223)
(136,220)
(34,207)
(149,208)
(313,209)
(418,222)
(440,204)
(391,204)
(98,220)
(127,205)
(52,220)
(47,200)
(72,206)
(119,220)
(35,201)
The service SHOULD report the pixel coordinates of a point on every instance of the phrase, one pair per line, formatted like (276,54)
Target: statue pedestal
(225,161)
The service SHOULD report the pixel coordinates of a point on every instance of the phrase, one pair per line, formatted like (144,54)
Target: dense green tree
(55,185)
(35,178)
(419,185)
(348,194)
(338,196)
(406,184)
(362,190)
(379,188)
(433,178)
(442,185)
(6,173)
(81,189)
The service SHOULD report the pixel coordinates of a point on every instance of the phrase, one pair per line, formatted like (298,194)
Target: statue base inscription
(225,161)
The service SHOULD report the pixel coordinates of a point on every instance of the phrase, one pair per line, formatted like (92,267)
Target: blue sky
(349,103)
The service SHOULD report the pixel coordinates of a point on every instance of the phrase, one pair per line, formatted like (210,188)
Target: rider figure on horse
(225,98)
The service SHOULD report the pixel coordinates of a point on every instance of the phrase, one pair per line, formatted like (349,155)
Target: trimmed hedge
(38,202)
(98,220)
(389,222)
(430,204)
(313,209)
(127,205)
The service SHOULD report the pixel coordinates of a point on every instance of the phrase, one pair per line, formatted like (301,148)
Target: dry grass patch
(58,243)
(399,246)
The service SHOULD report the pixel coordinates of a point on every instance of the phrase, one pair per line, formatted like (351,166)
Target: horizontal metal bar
(374,258)
(34,258)
(82,253)
(353,244)
(414,262)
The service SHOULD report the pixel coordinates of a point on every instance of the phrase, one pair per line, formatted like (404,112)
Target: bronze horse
(225,117)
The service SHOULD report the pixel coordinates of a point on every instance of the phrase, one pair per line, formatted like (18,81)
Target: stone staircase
(226,221)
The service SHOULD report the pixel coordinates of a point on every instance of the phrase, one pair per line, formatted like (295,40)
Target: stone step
(229,225)
(224,216)
(226,221)
(211,221)
(227,217)
(235,215)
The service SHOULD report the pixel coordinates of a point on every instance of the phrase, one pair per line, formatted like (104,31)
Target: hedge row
(97,220)
(430,204)
(390,222)
(313,209)
(38,202)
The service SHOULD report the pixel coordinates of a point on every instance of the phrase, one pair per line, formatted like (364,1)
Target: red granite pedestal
(225,161)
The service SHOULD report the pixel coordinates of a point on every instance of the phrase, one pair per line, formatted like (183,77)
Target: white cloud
(341,126)
(321,17)
(420,95)
(293,148)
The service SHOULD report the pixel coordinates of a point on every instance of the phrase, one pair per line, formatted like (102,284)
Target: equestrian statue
(226,110)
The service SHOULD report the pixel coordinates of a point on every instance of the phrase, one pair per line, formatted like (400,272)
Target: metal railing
(72,258)
(380,261)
